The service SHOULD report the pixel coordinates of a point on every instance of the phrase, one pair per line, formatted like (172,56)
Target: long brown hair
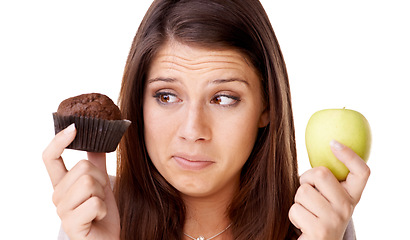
(149,207)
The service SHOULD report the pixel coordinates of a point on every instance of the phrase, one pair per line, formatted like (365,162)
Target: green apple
(346,126)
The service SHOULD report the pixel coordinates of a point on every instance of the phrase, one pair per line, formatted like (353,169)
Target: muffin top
(94,105)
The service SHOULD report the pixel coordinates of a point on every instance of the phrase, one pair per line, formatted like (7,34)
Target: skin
(205,107)
(189,114)
(323,205)
(83,197)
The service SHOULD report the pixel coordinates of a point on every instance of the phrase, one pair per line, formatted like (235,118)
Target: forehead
(187,58)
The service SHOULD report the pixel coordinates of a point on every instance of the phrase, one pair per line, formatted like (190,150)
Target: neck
(207,216)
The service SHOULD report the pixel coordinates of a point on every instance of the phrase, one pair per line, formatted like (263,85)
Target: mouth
(192,163)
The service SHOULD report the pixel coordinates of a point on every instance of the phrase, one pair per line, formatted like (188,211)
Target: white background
(352,54)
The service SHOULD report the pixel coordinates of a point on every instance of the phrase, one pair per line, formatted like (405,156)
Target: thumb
(359,171)
(52,154)
(99,160)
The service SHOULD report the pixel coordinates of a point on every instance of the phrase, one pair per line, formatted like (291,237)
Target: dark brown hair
(149,207)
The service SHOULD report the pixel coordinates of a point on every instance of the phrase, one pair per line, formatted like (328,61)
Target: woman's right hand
(83,196)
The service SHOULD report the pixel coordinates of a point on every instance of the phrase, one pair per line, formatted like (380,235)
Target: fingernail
(69,129)
(336,145)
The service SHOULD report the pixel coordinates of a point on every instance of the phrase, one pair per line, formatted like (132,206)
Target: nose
(195,124)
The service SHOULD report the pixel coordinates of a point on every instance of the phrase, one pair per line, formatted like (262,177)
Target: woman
(211,150)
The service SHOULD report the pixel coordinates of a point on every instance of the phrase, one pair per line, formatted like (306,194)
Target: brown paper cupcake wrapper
(93,134)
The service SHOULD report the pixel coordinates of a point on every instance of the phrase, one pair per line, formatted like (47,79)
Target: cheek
(154,131)
(160,129)
(239,136)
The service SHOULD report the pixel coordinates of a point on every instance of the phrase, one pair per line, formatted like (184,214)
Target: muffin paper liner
(93,134)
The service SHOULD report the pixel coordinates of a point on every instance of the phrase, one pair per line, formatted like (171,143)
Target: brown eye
(225,100)
(217,100)
(166,98)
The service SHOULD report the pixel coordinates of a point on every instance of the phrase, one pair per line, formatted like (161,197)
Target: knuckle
(87,181)
(302,191)
(84,166)
(292,213)
(322,172)
(96,203)
(44,155)
(305,188)
(291,210)
(59,212)
(366,172)
(55,198)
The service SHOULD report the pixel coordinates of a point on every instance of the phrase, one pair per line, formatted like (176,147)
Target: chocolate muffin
(97,120)
(90,105)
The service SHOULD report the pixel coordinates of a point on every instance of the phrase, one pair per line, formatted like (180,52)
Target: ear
(264,118)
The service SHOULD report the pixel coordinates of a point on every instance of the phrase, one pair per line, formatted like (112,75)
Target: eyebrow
(216,81)
(160,79)
(220,81)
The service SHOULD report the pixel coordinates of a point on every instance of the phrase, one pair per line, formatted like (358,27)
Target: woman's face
(202,111)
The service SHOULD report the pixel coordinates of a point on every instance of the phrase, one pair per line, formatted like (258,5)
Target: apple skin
(346,126)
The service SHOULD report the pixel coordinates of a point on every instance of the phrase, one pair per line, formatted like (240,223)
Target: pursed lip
(192,162)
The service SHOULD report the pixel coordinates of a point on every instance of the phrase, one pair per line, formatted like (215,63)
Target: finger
(83,189)
(322,179)
(52,154)
(302,218)
(312,200)
(82,168)
(92,209)
(79,221)
(98,159)
(359,171)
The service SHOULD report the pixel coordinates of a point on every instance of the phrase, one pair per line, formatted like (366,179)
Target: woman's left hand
(324,206)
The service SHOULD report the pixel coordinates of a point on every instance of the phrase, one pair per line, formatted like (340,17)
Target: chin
(194,186)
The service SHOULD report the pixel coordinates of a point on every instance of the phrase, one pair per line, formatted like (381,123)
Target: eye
(225,100)
(166,98)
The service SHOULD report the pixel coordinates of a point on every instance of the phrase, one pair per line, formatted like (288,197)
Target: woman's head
(202,109)
(268,179)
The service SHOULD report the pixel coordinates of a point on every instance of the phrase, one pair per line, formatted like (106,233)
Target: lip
(192,162)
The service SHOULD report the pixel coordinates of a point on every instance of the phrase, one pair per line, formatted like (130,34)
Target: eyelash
(159,95)
(234,98)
